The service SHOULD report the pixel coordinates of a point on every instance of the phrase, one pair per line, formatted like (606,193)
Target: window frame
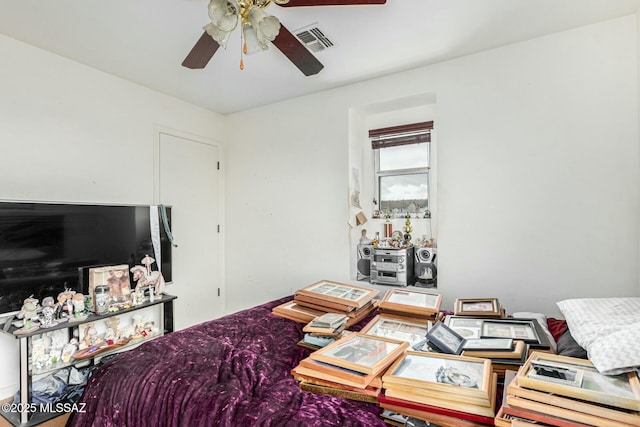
(416,133)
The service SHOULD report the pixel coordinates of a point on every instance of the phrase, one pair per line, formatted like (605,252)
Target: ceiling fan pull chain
(243,50)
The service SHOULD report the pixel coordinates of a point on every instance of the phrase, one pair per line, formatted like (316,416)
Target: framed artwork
(447,373)
(348,295)
(517,330)
(481,307)
(362,353)
(116,277)
(446,339)
(583,381)
(397,328)
(417,302)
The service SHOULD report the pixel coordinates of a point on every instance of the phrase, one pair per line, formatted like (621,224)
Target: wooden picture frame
(620,391)
(340,293)
(397,328)
(362,353)
(446,373)
(446,339)
(410,301)
(116,277)
(480,307)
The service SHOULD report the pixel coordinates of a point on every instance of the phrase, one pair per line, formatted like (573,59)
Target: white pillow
(608,328)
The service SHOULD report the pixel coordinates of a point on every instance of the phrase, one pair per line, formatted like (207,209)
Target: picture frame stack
(333,297)
(570,392)
(413,304)
(350,366)
(326,296)
(323,330)
(441,387)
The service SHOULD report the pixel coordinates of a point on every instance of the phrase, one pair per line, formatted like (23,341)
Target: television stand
(27,413)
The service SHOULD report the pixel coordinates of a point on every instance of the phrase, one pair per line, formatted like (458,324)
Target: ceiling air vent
(313,38)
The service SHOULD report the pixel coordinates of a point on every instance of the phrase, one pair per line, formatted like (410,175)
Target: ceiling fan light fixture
(251,40)
(266,26)
(218,35)
(224,14)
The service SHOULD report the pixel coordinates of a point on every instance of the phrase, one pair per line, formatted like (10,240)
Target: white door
(189,182)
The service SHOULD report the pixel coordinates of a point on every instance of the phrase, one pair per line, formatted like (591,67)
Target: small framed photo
(362,353)
(486,344)
(479,307)
(413,302)
(116,277)
(517,330)
(446,339)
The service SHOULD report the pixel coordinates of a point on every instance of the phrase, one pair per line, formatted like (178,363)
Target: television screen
(44,247)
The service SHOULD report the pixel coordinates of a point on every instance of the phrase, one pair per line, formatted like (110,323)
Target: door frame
(163,130)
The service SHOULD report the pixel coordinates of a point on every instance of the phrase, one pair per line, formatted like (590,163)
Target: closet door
(189,181)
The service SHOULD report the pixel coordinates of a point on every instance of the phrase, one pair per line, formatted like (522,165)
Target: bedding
(608,329)
(232,371)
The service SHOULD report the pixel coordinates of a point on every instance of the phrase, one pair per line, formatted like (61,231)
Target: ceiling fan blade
(296,52)
(201,53)
(297,3)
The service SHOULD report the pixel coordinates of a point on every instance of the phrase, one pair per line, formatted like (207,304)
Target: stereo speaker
(365,253)
(425,267)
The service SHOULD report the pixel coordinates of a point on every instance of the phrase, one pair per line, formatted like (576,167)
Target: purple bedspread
(232,371)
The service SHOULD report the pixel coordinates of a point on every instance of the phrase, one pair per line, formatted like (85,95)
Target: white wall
(71,133)
(538,178)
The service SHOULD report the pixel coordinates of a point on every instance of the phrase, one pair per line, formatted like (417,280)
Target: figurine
(64,308)
(364,240)
(28,312)
(143,276)
(91,337)
(69,349)
(78,304)
(48,311)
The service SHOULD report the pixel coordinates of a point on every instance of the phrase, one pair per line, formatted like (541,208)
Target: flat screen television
(45,247)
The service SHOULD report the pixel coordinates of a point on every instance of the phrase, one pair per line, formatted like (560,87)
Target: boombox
(425,267)
(393,267)
(364,261)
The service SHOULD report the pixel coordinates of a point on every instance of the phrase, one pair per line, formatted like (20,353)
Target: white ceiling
(145,41)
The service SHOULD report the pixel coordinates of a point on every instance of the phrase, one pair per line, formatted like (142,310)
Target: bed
(232,371)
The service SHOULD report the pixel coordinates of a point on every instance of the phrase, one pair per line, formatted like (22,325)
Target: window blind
(393,136)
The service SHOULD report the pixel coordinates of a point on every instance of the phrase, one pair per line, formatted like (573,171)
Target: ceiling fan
(258,28)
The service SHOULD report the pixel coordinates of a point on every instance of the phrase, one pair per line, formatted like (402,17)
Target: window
(402,165)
